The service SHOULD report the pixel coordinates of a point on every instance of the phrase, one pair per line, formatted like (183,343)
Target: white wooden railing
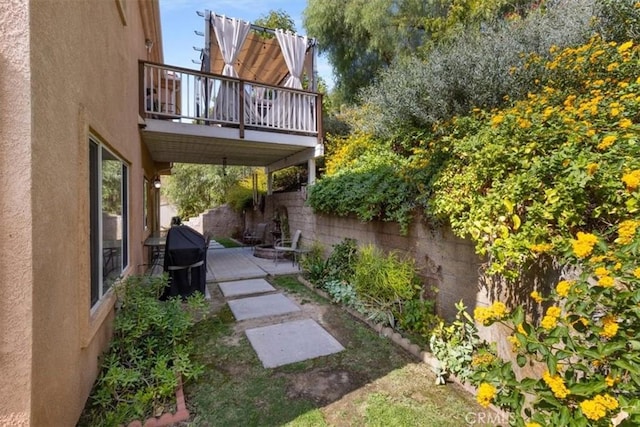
(174,93)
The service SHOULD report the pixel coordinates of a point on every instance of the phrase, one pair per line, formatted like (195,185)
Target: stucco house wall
(70,70)
(16,248)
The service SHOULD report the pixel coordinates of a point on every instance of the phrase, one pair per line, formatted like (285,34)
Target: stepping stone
(245,287)
(267,305)
(291,342)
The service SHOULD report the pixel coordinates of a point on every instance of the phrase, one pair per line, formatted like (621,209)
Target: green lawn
(371,383)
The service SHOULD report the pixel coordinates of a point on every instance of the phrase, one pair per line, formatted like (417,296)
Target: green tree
(275,19)
(194,189)
(363,37)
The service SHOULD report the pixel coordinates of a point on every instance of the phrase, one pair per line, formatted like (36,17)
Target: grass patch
(227,242)
(372,382)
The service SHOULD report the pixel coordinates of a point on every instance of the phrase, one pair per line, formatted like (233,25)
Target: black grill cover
(185,259)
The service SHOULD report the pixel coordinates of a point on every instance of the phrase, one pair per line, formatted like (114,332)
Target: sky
(179,21)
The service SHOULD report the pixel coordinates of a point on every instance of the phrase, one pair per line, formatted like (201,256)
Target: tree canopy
(363,37)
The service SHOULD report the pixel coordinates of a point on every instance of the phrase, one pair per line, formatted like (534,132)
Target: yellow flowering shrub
(587,338)
(486,393)
(563,162)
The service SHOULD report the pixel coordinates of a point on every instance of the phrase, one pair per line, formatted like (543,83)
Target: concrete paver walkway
(229,264)
(240,277)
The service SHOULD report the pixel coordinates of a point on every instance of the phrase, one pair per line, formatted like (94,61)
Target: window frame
(99,287)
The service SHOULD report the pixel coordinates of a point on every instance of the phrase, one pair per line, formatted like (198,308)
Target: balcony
(194,117)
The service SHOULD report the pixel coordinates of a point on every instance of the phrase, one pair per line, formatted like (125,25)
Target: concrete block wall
(444,261)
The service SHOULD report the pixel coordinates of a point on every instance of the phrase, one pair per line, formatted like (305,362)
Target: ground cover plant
(372,382)
(149,351)
(383,287)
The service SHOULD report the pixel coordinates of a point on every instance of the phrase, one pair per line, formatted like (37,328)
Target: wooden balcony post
(241,109)
(319,118)
(141,89)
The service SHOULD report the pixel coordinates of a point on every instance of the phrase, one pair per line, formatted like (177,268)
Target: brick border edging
(181,414)
(395,337)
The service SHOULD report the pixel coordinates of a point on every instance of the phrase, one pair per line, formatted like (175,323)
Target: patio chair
(285,246)
(255,236)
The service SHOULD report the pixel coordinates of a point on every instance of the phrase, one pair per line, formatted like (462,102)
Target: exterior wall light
(156,182)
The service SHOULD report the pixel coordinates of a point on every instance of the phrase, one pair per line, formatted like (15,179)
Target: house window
(108,188)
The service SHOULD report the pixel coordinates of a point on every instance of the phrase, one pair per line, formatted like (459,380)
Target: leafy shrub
(619,20)
(339,265)
(313,264)
(457,345)
(149,349)
(369,185)
(478,69)
(418,316)
(547,167)
(586,342)
(344,293)
(384,282)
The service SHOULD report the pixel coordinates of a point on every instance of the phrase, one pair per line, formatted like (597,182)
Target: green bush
(478,69)
(418,316)
(384,282)
(340,264)
(369,185)
(313,264)
(459,349)
(150,348)
(534,174)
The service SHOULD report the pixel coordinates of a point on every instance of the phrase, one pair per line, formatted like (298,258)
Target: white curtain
(231,34)
(293,48)
(289,108)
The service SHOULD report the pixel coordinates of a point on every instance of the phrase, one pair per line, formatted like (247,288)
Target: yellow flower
(524,123)
(556,384)
(602,271)
(609,327)
(592,168)
(486,393)
(607,141)
(631,179)
(596,408)
(613,66)
(549,322)
(535,295)
(625,123)
(554,311)
(563,287)
(625,46)
(482,315)
(499,309)
(515,343)
(541,248)
(606,281)
(636,273)
(626,231)
(611,381)
(496,120)
(583,245)
(521,330)
(482,359)
(592,410)
(532,425)
(607,401)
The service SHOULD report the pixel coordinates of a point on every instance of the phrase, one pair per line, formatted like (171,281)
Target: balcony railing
(188,96)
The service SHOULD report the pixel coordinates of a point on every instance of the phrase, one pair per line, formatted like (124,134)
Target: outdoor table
(156,245)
